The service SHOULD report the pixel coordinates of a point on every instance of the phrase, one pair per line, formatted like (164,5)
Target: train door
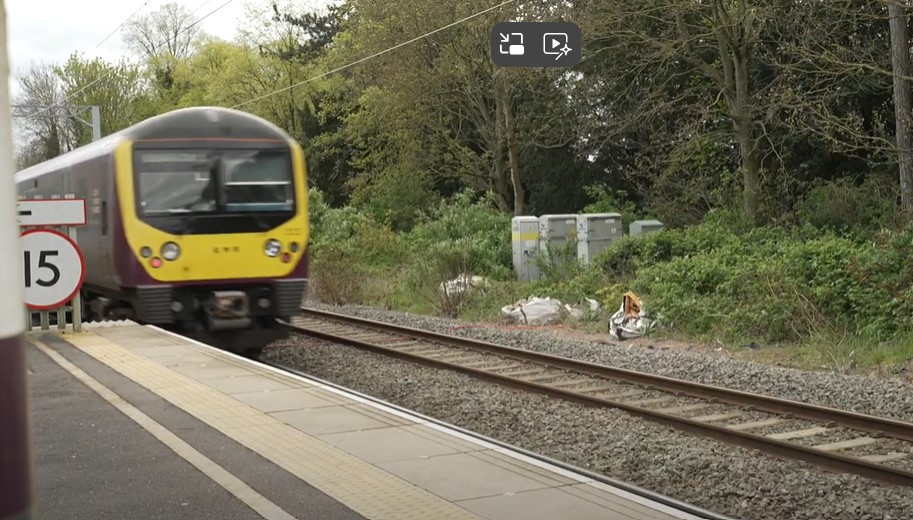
(106,207)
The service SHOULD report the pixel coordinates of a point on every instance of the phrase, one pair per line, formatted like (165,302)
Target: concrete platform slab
(334,419)
(544,504)
(284,400)
(389,444)
(356,456)
(247,383)
(446,476)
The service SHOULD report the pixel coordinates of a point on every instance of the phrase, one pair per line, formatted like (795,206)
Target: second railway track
(838,440)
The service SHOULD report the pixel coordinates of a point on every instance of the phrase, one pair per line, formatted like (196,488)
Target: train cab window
(214,181)
(257,180)
(176,182)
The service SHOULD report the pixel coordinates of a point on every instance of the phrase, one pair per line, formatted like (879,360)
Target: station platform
(135,422)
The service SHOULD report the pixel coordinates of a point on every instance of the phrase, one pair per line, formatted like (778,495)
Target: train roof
(185,123)
(205,123)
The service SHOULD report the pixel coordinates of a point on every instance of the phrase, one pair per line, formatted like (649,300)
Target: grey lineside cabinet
(593,232)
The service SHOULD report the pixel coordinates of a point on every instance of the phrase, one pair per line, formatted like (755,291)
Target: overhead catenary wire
(138,9)
(111,71)
(376,54)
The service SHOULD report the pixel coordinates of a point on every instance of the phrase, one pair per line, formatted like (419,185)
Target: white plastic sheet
(534,311)
(462,284)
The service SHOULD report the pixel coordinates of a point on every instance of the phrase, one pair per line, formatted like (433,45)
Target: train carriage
(198,221)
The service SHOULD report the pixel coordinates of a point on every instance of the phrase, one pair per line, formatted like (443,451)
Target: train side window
(104,217)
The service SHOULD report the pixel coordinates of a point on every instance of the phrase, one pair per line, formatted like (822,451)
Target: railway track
(837,440)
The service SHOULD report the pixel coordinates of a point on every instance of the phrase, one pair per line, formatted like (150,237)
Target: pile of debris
(543,311)
(630,321)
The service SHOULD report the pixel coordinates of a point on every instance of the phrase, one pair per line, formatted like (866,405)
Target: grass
(840,353)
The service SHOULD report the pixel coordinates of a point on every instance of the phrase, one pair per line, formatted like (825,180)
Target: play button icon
(555,44)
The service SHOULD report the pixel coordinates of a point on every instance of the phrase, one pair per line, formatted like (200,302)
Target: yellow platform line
(361,486)
(218,474)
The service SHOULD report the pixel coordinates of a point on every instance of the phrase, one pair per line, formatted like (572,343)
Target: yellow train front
(198,221)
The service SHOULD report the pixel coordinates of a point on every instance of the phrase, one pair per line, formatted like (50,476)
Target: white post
(96,123)
(18,497)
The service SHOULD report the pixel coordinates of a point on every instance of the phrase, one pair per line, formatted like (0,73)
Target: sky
(48,31)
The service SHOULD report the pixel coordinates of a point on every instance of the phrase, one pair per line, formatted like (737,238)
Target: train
(197,221)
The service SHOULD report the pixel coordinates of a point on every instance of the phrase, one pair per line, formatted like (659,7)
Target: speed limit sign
(53,268)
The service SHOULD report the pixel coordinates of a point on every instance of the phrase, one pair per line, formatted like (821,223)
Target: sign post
(53,265)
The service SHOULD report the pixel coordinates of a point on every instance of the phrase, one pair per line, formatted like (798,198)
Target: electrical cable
(105,76)
(376,54)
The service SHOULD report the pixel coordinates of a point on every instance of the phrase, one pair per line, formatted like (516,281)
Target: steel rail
(824,459)
(886,426)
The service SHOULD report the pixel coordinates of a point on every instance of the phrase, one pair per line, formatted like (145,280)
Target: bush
(772,284)
(440,263)
(336,277)
(476,227)
(624,257)
(846,207)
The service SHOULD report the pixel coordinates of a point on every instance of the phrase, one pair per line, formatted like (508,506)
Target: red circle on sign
(82,268)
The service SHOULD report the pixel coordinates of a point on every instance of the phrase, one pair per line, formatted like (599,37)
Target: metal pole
(76,304)
(17,486)
(96,123)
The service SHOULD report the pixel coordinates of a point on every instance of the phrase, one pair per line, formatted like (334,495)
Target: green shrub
(476,227)
(395,197)
(774,285)
(847,207)
(352,233)
(441,263)
(624,257)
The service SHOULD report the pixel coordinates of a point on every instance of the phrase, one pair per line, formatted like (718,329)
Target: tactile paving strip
(366,489)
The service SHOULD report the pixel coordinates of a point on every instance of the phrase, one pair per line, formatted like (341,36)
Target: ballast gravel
(730,480)
(884,397)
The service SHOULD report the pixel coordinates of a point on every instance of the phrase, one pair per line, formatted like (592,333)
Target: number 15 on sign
(53,268)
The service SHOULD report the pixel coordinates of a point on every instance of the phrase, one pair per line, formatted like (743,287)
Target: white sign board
(52,212)
(53,268)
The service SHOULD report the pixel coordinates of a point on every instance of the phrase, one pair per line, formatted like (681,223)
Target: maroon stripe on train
(15,442)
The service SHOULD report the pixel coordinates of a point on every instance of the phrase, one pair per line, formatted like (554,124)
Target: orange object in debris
(632,305)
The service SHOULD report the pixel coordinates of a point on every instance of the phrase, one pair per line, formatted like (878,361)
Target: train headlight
(145,252)
(171,251)
(272,247)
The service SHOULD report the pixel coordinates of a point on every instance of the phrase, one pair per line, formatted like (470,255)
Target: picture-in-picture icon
(511,43)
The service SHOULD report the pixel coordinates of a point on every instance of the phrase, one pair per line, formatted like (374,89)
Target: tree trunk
(748,143)
(499,181)
(900,58)
(512,153)
(499,172)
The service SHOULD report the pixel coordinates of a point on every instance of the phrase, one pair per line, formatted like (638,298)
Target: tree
(164,38)
(461,119)
(171,32)
(795,90)
(46,134)
(680,51)
(116,88)
(900,53)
